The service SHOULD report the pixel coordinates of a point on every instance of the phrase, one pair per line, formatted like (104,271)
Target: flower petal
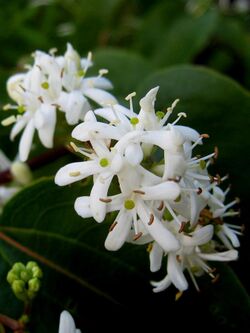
(118,235)
(19,126)
(161,285)
(164,191)
(76,171)
(101,97)
(47,128)
(134,153)
(96,82)
(82,207)
(155,257)
(67,324)
(95,130)
(220,256)
(99,191)
(158,231)
(199,237)
(26,141)
(176,273)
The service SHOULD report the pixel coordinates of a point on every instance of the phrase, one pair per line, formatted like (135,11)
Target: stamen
(137,236)
(8,121)
(182,227)
(151,219)
(139,192)
(103,72)
(180,115)
(105,200)
(178,295)
(52,51)
(62,72)
(75,173)
(149,247)
(216,152)
(40,99)
(178,258)
(113,225)
(216,278)
(130,99)
(161,206)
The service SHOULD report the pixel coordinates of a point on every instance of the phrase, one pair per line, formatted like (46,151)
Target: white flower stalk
(67,324)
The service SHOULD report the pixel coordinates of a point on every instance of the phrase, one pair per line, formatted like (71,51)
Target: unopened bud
(21,172)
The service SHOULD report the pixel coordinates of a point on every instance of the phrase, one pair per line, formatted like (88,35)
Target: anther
(178,295)
(205,136)
(151,219)
(137,236)
(182,227)
(178,258)
(61,74)
(199,190)
(139,192)
(161,206)
(113,226)
(105,200)
(133,94)
(216,152)
(40,99)
(75,173)
(216,278)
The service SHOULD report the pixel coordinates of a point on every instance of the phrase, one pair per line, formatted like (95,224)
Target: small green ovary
(160,114)
(104,162)
(134,121)
(21,109)
(45,85)
(129,204)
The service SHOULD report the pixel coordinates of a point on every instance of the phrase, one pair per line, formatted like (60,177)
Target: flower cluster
(53,83)
(165,196)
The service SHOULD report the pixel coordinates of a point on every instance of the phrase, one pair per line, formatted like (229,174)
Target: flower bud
(21,172)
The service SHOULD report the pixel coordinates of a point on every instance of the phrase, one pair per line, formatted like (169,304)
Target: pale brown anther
(199,190)
(113,226)
(178,258)
(161,206)
(182,227)
(216,278)
(40,99)
(216,152)
(137,236)
(151,219)
(138,192)
(205,136)
(105,200)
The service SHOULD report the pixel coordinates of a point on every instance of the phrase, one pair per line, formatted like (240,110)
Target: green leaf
(215,105)
(126,69)
(185,38)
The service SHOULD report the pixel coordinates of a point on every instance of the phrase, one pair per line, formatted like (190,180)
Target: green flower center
(129,204)
(45,85)
(134,121)
(104,162)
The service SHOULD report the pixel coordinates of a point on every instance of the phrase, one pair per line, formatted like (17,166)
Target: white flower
(190,256)
(73,99)
(35,93)
(67,324)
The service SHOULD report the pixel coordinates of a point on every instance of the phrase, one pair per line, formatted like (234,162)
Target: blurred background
(137,41)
